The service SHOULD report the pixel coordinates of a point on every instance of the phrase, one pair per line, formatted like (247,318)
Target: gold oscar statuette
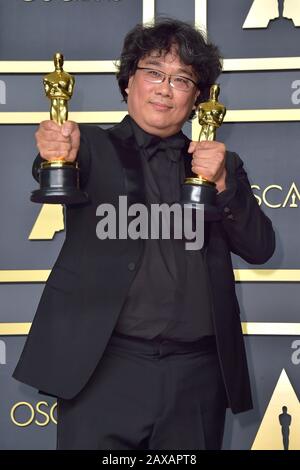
(59,179)
(197,189)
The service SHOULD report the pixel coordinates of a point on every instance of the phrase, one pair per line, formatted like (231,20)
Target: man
(141,340)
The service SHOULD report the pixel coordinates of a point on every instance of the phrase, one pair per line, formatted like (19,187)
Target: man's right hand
(57,142)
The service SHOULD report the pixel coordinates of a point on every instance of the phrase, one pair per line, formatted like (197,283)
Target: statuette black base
(59,184)
(194,194)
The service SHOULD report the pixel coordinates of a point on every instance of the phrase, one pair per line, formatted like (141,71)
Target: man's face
(158,108)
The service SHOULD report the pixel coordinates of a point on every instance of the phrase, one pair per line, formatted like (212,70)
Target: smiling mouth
(161,106)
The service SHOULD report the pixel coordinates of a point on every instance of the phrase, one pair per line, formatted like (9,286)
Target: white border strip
(201,15)
(148,11)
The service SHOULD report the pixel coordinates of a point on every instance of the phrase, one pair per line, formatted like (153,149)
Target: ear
(129,84)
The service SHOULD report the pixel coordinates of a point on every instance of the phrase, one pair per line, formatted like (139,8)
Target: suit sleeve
(83,159)
(249,231)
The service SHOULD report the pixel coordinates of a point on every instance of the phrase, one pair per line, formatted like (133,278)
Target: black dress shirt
(169,296)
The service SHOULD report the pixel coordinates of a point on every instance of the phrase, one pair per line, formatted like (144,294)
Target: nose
(164,88)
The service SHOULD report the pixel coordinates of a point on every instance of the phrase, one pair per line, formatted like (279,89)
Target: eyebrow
(160,64)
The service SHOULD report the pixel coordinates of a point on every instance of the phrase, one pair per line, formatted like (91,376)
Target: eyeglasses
(176,81)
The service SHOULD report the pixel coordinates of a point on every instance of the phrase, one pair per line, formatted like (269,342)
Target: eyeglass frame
(169,75)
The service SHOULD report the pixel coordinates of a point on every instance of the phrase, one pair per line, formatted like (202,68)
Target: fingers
(192,147)
(49,125)
(75,139)
(68,128)
(54,155)
(205,145)
(208,159)
(55,141)
(74,134)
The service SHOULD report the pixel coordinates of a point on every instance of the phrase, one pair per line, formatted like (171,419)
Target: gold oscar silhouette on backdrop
(59,179)
(285,420)
(263,11)
(197,189)
(280,430)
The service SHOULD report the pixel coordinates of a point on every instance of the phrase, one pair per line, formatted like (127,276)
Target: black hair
(190,44)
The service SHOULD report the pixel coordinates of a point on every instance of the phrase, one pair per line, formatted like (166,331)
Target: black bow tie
(152,144)
(175,142)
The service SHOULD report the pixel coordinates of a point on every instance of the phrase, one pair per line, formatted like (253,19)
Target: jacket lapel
(130,159)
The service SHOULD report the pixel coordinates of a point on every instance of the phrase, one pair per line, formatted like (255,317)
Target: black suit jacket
(90,280)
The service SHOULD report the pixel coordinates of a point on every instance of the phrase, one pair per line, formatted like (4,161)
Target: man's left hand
(209,161)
